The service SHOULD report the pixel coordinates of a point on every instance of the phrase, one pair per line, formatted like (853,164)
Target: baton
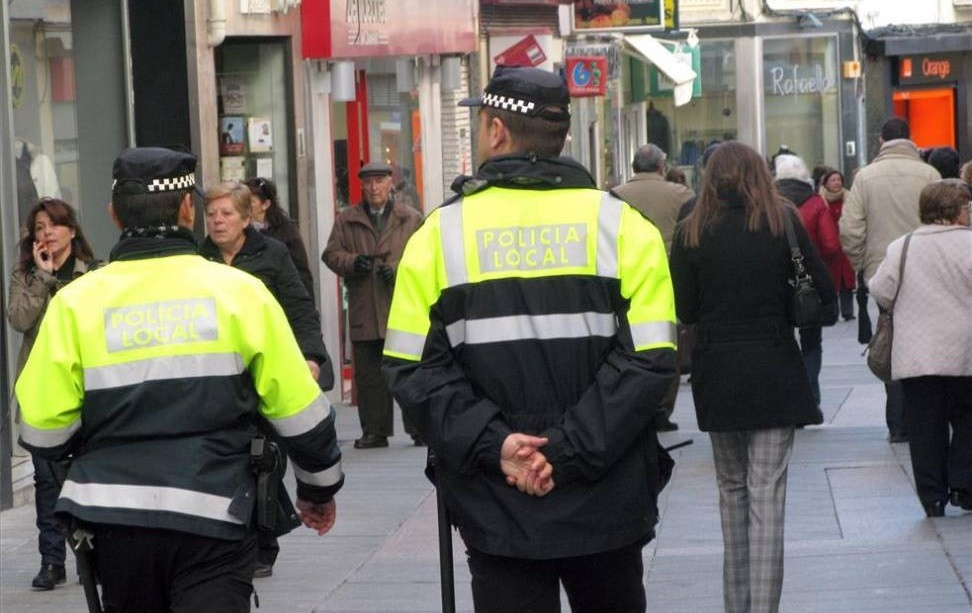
(80,541)
(447,579)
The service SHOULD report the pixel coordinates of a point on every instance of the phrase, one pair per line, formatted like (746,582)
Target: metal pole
(7,225)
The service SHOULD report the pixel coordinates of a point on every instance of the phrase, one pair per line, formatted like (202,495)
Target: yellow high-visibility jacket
(537,304)
(151,373)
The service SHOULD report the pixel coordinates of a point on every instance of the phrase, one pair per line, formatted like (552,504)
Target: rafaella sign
(795,79)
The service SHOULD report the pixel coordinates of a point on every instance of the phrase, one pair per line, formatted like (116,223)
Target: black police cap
(153,170)
(526,90)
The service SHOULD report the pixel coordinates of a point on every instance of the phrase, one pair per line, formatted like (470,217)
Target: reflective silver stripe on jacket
(149,498)
(653,333)
(608,226)
(405,343)
(453,244)
(305,420)
(161,368)
(538,327)
(48,438)
(325,478)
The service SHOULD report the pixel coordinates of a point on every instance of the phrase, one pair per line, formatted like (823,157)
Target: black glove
(362,264)
(387,273)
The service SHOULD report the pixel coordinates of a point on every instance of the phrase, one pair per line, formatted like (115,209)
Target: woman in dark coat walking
(794,183)
(269,219)
(233,240)
(731,269)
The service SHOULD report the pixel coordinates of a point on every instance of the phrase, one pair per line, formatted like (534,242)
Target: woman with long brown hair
(731,269)
(53,253)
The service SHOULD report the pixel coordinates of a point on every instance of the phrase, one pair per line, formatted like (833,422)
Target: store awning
(650,50)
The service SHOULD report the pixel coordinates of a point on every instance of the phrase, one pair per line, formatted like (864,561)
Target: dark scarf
(152,242)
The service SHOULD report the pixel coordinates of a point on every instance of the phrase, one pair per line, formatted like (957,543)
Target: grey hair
(648,158)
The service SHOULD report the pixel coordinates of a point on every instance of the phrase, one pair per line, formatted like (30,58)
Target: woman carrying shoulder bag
(731,268)
(932,348)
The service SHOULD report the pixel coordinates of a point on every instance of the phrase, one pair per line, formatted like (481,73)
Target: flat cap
(152,170)
(526,90)
(375,169)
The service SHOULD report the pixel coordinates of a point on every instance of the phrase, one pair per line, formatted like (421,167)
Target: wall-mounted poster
(231,135)
(232,168)
(232,89)
(260,135)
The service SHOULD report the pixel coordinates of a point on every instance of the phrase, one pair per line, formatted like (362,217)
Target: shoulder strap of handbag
(795,254)
(901,265)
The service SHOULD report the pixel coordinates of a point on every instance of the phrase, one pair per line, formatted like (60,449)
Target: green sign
(659,86)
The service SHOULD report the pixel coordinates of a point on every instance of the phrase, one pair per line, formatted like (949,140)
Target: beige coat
(30,291)
(883,203)
(657,199)
(369,297)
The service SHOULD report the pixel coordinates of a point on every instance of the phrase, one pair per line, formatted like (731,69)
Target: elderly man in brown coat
(365,247)
(660,201)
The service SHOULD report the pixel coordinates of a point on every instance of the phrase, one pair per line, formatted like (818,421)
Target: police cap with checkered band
(529,91)
(153,170)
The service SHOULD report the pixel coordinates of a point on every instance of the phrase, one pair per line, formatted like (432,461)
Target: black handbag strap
(795,254)
(901,265)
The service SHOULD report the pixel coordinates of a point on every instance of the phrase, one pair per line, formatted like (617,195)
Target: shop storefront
(384,81)
(925,76)
(767,84)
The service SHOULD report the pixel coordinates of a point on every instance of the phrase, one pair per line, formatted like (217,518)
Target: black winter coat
(269,260)
(747,372)
(288,234)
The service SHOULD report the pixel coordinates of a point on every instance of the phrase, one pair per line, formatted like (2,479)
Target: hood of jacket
(795,190)
(522,171)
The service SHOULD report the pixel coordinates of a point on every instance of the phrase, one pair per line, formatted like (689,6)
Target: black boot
(49,576)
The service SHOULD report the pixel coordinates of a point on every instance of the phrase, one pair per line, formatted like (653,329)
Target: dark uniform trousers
(607,582)
(374,397)
(50,539)
(151,570)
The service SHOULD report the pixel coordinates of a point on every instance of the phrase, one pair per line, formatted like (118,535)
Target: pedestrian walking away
(148,373)
(881,206)
(794,183)
(660,201)
(531,337)
(928,282)
(364,248)
(53,254)
(731,267)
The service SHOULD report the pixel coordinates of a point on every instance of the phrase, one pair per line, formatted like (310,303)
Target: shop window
(43,99)
(255,119)
(801,93)
(395,127)
(685,131)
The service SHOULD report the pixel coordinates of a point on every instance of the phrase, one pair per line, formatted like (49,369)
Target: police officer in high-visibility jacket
(531,335)
(151,374)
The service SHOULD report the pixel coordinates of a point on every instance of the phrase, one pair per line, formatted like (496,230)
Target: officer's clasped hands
(363,264)
(524,466)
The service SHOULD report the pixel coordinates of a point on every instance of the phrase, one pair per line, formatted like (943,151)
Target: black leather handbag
(806,310)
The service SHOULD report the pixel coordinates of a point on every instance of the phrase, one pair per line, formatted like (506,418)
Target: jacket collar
(646,176)
(177,242)
(898,148)
(520,171)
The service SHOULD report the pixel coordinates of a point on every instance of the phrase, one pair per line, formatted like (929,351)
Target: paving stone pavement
(856,537)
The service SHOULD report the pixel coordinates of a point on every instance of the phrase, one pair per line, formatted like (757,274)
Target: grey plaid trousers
(751,473)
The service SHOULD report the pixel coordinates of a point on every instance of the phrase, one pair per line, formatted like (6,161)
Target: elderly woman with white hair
(794,183)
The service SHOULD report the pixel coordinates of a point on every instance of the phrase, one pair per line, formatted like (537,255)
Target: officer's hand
(387,274)
(524,466)
(315,369)
(363,264)
(318,516)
